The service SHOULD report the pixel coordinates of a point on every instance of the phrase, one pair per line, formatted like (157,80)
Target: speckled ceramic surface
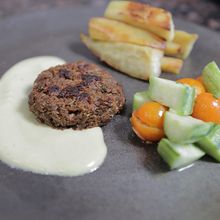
(133,182)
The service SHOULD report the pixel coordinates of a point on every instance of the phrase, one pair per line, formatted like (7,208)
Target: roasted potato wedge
(185,41)
(171,65)
(134,60)
(155,20)
(172,49)
(111,30)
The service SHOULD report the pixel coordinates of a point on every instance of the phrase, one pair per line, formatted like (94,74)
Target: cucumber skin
(140,98)
(211,143)
(204,130)
(211,78)
(187,105)
(195,132)
(173,158)
(183,108)
(167,153)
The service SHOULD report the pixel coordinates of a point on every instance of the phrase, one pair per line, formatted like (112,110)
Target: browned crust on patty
(77,95)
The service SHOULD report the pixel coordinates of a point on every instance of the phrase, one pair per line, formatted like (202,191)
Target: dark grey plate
(133,182)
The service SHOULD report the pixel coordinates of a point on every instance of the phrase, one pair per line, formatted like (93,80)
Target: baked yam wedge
(171,65)
(172,49)
(137,61)
(155,20)
(115,31)
(186,42)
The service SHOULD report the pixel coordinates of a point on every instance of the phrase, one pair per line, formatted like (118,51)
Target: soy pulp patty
(78,95)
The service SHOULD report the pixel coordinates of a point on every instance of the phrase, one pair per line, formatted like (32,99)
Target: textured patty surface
(77,95)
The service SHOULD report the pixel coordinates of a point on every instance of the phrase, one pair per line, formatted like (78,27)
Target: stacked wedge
(138,39)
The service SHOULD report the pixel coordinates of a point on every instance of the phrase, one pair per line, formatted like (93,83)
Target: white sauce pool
(29,145)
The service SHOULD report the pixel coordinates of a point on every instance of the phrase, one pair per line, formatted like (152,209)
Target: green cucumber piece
(184,129)
(211,78)
(140,98)
(177,96)
(211,143)
(178,155)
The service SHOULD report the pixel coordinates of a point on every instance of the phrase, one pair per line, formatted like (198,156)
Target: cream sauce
(29,145)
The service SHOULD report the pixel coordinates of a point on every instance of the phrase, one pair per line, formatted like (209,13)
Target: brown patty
(77,95)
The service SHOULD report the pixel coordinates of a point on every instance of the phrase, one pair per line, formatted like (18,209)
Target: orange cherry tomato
(147,121)
(199,78)
(151,114)
(207,108)
(194,83)
(145,132)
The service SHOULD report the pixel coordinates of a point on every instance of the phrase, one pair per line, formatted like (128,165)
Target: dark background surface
(203,12)
(133,183)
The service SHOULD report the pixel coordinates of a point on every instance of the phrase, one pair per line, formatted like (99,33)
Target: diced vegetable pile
(184,116)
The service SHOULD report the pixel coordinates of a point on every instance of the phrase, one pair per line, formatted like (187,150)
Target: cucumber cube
(211,78)
(184,129)
(211,143)
(177,96)
(178,155)
(140,98)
